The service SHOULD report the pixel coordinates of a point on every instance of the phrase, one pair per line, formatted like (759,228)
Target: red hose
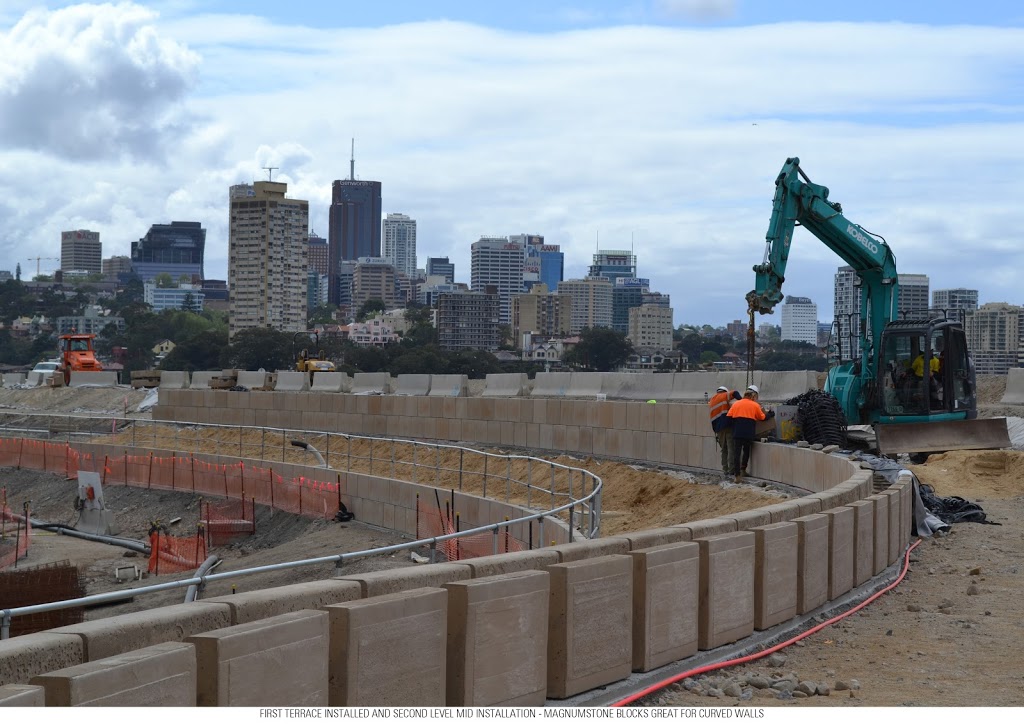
(767,652)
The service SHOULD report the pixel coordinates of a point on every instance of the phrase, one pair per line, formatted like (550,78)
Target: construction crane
(38,259)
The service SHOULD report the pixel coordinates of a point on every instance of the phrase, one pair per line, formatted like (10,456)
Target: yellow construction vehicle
(312,361)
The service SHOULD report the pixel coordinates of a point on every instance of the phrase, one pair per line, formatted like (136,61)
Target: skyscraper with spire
(354,224)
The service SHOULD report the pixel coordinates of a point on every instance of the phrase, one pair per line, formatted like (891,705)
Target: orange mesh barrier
(227,520)
(9,452)
(170,554)
(431,523)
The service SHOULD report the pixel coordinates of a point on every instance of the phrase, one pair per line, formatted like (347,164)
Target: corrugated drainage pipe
(61,529)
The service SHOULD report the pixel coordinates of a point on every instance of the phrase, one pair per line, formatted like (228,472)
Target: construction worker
(745,414)
(722,425)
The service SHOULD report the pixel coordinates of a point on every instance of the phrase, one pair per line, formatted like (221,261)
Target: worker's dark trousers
(740,448)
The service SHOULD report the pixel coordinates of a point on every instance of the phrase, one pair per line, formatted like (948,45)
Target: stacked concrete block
(841,550)
(161,675)
(268,602)
(812,562)
(666,594)
(23,657)
(654,537)
(389,650)
(590,634)
(726,589)
(277,661)
(21,695)
(515,562)
(748,519)
(381,583)
(776,551)
(587,549)
(498,640)
(709,527)
(896,544)
(863,540)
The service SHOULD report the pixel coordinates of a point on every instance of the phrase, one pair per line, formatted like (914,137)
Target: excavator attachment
(928,437)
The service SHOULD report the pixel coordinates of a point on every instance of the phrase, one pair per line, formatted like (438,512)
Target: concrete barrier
(252,380)
(448,385)
(389,650)
(173,380)
(371,383)
(726,589)
(666,597)
(161,675)
(22,695)
(498,640)
(34,379)
(107,378)
(418,385)
(14,379)
(278,661)
(268,602)
(1014,393)
(590,630)
(23,657)
(330,382)
(551,384)
(201,379)
(646,386)
(584,384)
(292,381)
(776,547)
(510,384)
(692,386)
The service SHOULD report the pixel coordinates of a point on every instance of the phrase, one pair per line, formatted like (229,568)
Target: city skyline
(686,184)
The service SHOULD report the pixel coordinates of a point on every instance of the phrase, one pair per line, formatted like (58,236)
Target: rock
(746,694)
(817,446)
(807,687)
(777,661)
(783,685)
(784,695)
(733,689)
(800,695)
(689,683)
(758,682)
(946,603)
(766,693)
(914,558)
(823,690)
(131,554)
(854,685)
(830,672)
(988,613)
(842,686)
(830,448)
(717,693)
(913,608)
(973,590)
(975,571)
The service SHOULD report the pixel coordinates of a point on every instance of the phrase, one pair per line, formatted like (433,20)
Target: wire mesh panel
(59,581)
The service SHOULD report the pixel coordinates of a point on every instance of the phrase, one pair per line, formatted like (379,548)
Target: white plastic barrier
(14,379)
(292,381)
(371,383)
(551,384)
(644,386)
(330,382)
(251,380)
(173,380)
(505,384)
(448,385)
(201,379)
(107,378)
(416,385)
(1014,394)
(585,384)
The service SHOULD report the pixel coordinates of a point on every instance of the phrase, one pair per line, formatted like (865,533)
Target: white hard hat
(722,388)
(753,388)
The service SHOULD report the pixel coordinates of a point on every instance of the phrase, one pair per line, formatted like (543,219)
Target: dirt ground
(948,635)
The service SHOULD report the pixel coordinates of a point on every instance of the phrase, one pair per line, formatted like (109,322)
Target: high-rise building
(469,320)
(627,293)
(846,304)
(495,261)
(650,327)
(81,251)
(545,263)
(613,264)
(591,302)
(355,222)
(400,243)
(994,337)
(268,258)
(373,278)
(188,297)
(316,290)
(439,266)
(914,295)
(176,248)
(319,255)
(543,313)
(800,320)
(965,299)
(116,267)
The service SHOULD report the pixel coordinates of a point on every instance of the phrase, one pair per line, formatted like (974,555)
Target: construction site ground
(948,635)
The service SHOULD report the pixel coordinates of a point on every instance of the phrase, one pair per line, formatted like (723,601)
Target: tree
(201,352)
(600,349)
(164,280)
(259,348)
(323,314)
(369,307)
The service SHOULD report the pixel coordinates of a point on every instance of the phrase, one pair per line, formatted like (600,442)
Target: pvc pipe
(193,591)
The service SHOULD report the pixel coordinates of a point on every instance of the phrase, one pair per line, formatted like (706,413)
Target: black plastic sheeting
(820,417)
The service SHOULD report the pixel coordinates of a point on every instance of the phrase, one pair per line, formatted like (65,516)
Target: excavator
(76,354)
(914,380)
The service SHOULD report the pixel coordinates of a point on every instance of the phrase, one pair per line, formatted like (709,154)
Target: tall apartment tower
(81,250)
(994,336)
(965,299)
(469,320)
(354,223)
(650,327)
(373,278)
(319,255)
(800,320)
(400,243)
(176,248)
(541,312)
(846,304)
(591,302)
(913,294)
(268,257)
(439,266)
(495,261)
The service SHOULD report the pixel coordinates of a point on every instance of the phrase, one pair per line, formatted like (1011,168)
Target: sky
(656,125)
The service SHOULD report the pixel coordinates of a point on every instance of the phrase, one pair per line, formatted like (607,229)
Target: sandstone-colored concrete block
(277,661)
(23,657)
(584,549)
(896,545)
(749,519)
(590,634)
(709,527)
(881,552)
(666,593)
(129,631)
(654,537)
(812,562)
(267,602)
(505,563)
(863,540)
(161,675)
(389,650)
(381,583)
(498,640)
(782,512)
(22,695)
(776,550)
(841,529)
(726,588)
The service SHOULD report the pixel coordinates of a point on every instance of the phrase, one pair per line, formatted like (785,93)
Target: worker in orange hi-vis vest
(722,425)
(745,415)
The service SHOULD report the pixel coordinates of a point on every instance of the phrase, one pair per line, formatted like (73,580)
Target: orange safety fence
(227,520)
(171,554)
(432,521)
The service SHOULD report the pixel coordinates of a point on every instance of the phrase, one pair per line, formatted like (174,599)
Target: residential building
(81,250)
(544,349)
(965,299)
(429,290)
(591,302)
(613,264)
(737,330)
(373,278)
(846,304)
(316,289)
(994,337)
(469,320)
(176,248)
(650,327)
(268,248)
(371,333)
(540,312)
(671,359)
(799,320)
(92,321)
(116,267)
(354,223)
(188,297)
(319,255)
(439,266)
(914,295)
(627,293)
(495,261)
(400,243)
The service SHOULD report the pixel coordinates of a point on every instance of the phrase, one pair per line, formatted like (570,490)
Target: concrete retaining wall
(666,601)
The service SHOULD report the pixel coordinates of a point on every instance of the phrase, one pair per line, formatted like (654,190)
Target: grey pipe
(193,590)
(61,529)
